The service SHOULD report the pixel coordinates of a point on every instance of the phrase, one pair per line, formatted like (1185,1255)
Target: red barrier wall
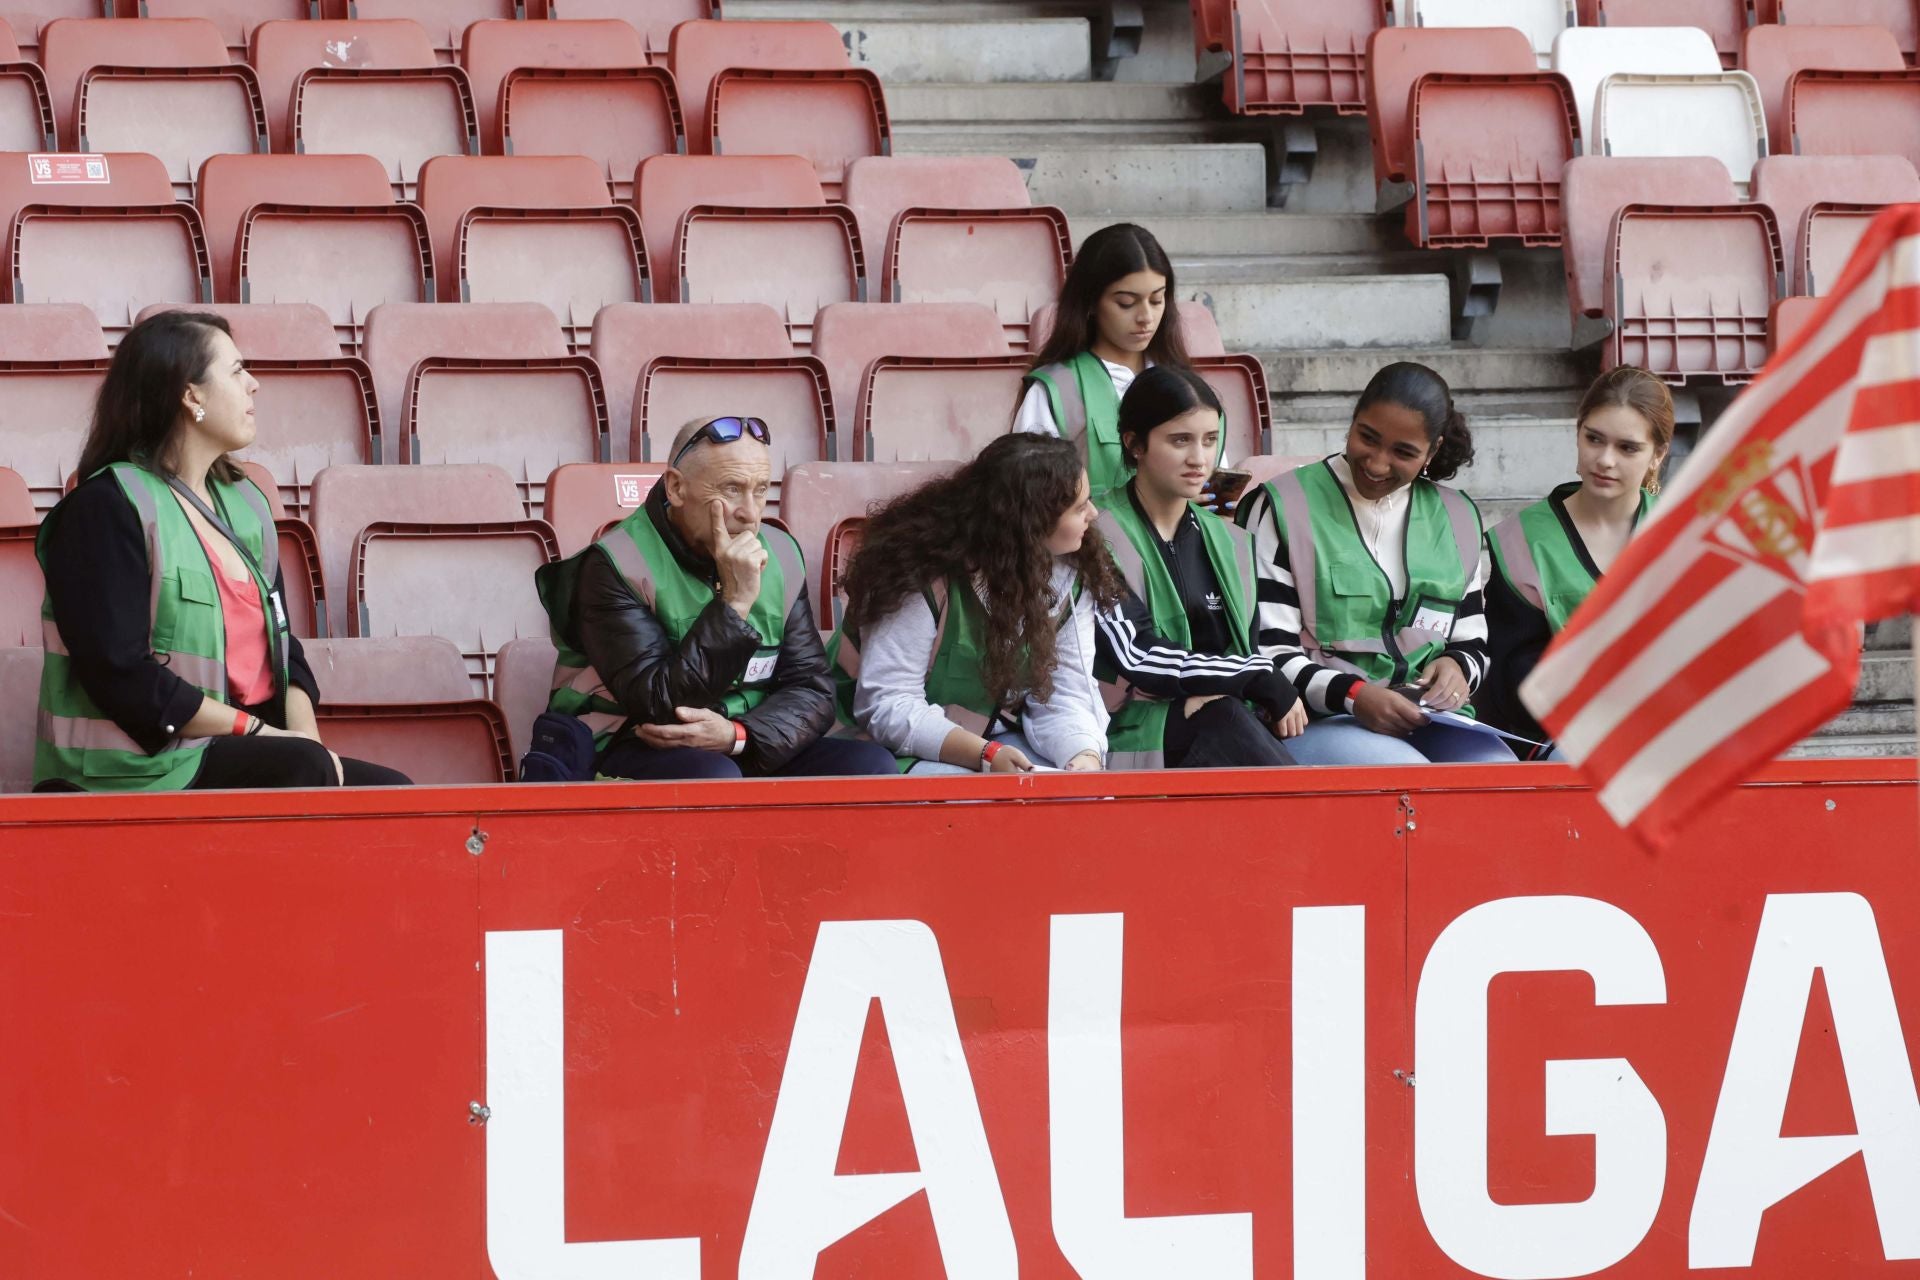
(1165,1026)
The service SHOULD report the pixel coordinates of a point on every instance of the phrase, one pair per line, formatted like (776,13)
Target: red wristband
(987,753)
(739,738)
(240,722)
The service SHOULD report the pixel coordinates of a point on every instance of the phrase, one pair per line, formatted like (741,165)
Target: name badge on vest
(1435,616)
(279,610)
(760,666)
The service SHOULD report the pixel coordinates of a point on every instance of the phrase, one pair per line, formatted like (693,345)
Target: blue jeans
(936,769)
(1344,740)
(826,758)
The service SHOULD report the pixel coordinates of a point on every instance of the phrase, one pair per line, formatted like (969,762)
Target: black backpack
(561,750)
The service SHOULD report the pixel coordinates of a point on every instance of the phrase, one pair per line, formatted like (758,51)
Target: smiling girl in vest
(968,642)
(1372,577)
(169,664)
(1184,679)
(1549,557)
(1113,321)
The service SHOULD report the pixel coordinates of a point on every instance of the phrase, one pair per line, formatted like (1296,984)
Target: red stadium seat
(1773,55)
(1724,20)
(778,88)
(231,185)
(400,337)
(348,260)
(918,408)
(627,337)
(19,700)
(1596,188)
(283,51)
(1856,113)
(347,499)
(653,19)
(573,88)
(21,586)
(26,107)
(524,416)
(849,336)
(52,361)
(1823,203)
(818,495)
(882,188)
(795,260)
(315,407)
(1265,467)
(16,500)
(1013,260)
(398,669)
(101,230)
(1790,317)
(50,331)
(445,20)
(533,229)
(28,18)
(1690,291)
(666,187)
(446,744)
(583,498)
(522,681)
(299,558)
(1289,55)
(1241,383)
(1897,17)
(790,396)
(1397,57)
(1488,151)
(236,19)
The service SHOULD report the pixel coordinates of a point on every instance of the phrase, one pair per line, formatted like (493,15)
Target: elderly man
(686,641)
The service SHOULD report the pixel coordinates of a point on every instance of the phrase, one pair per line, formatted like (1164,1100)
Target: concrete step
(1876,746)
(976,51)
(1886,675)
(1150,179)
(1274,234)
(1891,633)
(1466,369)
(1042,107)
(1322,312)
(1870,718)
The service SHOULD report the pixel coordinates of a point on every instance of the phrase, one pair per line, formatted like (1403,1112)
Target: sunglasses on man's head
(725,431)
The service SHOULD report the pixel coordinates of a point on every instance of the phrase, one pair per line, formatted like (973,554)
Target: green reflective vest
(1086,409)
(1534,552)
(677,598)
(1349,619)
(76,742)
(1136,737)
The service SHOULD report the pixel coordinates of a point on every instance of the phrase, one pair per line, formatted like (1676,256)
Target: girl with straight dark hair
(169,664)
(1373,581)
(968,640)
(1115,319)
(1183,674)
(1549,557)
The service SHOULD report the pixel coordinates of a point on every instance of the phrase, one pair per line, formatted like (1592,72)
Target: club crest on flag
(1767,511)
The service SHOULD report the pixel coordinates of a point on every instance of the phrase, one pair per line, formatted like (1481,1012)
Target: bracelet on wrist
(739,738)
(988,751)
(242,724)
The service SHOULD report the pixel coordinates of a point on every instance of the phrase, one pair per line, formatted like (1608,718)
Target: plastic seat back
(628,337)
(1596,188)
(446,21)
(400,337)
(700,52)
(26,105)
(236,19)
(1289,55)
(1488,151)
(446,744)
(1241,383)
(849,336)
(300,575)
(231,185)
(1773,55)
(348,260)
(16,499)
(666,187)
(45,411)
(831,117)
(1588,55)
(794,260)
(819,495)
(72,47)
(1856,113)
(272,331)
(790,396)
(583,498)
(1541,21)
(21,586)
(19,703)
(28,18)
(50,331)
(397,669)
(283,51)
(1396,59)
(100,230)
(1724,21)
(525,416)
(522,682)
(881,188)
(1790,318)
(653,19)
(1692,289)
(1012,260)
(918,408)
(347,499)
(1718,115)
(1896,17)
(1822,204)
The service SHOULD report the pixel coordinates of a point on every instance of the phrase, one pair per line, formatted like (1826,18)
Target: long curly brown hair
(993,518)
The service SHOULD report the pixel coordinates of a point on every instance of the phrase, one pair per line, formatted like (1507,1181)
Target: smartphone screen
(1228,485)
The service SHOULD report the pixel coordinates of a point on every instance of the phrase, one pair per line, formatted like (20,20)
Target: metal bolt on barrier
(1404,1077)
(478,1113)
(477,842)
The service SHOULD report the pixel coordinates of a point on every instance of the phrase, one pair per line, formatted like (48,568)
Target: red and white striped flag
(1728,629)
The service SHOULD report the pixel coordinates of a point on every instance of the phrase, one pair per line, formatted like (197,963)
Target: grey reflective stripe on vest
(72,733)
(1306,562)
(1517,562)
(1466,528)
(1117,692)
(625,553)
(1071,405)
(206,673)
(1135,761)
(269,532)
(142,499)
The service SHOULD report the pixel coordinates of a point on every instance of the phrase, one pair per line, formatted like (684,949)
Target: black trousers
(233,763)
(1221,735)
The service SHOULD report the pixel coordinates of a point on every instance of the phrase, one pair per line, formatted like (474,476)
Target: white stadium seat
(1716,115)
(1588,55)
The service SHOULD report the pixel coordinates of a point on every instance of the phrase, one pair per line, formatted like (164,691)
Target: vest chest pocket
(1561,604)
(1351,578)
(189,605)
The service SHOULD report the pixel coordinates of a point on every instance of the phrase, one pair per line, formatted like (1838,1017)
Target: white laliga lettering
(1329,1093)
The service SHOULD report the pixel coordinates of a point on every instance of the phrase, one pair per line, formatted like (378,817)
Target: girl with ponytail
(1372,581)
(1549,557)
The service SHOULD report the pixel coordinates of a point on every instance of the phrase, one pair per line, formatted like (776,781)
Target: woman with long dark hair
(1116,318)
(1549,557)
(1373,580)
(968,640)
(169,664)
(1186,682)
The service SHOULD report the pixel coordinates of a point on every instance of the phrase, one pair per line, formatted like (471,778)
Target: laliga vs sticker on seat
(67,170)
(630,491)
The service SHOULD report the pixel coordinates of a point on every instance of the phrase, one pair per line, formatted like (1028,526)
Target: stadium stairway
(1303,273)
